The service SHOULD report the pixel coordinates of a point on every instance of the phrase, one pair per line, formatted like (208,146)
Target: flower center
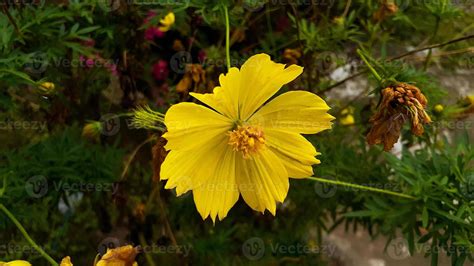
(247,139)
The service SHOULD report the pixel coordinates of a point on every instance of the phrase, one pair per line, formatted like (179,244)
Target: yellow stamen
(247,139)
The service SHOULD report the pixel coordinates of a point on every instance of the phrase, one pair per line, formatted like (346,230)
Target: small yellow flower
(439,108)
(66,262)
(121,256)
(46,87)
(470,98)
(244,144)
(167,22)
(347,118)
(15,263)
(339,20)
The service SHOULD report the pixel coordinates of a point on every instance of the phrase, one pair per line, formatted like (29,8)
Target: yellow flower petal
(224,98)
(15,263)
(186,170)
(66,261)
(121,256)
(192,126)
(295,111)
(296,153)
(262,180)
(261,78)
(217,196)
(166,22)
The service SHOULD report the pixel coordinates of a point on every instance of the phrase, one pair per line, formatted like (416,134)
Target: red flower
(160,70)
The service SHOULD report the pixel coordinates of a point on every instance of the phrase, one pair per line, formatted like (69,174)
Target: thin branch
(346,9)
(132,156)
(398,57)
(432,46)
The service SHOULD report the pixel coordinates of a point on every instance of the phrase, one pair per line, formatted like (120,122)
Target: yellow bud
(439,108)
(92,130)
(347,120)
(470,98)
(339,20)
(46,87)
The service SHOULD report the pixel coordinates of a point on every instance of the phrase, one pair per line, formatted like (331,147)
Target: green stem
(28,238)
(148,257)
(227,36)
(376,75)
(378,190)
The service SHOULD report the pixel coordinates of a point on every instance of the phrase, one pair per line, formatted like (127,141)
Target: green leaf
(424,217)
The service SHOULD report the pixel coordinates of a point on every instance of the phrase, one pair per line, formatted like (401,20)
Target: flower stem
(28,238)
(345,184)
(227,36)
(372,69)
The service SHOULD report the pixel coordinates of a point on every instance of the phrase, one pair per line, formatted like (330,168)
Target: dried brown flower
(399,103)
(291,56)
(195,74)
(178,45)
(387,9)
(139,211)
(159,154)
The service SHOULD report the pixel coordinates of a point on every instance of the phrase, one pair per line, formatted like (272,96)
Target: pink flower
(160,70)
(153,32)
(150,34)
(90,62)
(113,69)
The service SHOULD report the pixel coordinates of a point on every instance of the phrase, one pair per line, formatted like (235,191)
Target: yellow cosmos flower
(241,144)
(167,22)
(15,263)
(121,256)
(66,262)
